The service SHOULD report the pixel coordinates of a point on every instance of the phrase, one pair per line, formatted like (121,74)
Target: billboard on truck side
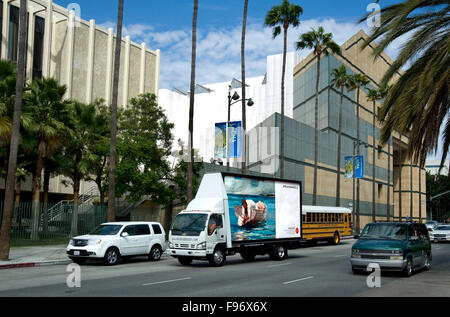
(263,209)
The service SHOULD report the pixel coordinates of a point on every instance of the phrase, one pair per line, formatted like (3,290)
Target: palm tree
(5,234)
(418,103)
(7,92)
(190,194)
(283,16)
(320,42)
(356,82)
(244,118)
(339,80)
(51,119)
(113,135)
(373,95)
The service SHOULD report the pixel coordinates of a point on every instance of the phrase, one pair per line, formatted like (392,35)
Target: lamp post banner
(235,142)
(220,143)
(359,166)
(348,167)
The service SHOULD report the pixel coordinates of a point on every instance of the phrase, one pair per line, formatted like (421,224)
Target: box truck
(234,213)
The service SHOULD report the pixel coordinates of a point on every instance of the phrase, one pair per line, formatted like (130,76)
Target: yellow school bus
(326,223)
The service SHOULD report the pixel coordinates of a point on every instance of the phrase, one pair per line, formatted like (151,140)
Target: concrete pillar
(70,42)
(5,29)
(48,36)
(126,71)
(30,48)
(90,66)
(109,66)
(142,78)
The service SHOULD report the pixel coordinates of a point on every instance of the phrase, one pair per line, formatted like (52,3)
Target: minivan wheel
(155,253)
(218,258)
(427,263)
(111,256)
(408,271)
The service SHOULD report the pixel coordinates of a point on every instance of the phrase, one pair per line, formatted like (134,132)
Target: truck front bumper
(188,253)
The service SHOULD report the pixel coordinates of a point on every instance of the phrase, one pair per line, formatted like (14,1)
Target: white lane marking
(299,280)
(277,265)
(169,281)
(339,256)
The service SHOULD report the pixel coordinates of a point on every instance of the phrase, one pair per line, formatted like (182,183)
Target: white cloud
(219,49)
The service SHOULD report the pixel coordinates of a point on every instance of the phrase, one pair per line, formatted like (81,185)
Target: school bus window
(308,217)
(303,218)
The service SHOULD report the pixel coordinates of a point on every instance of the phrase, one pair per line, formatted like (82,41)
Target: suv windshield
(384,231)
(106,230)
(189,224)
(442,228)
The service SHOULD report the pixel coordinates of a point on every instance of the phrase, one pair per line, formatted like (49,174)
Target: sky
(166,25)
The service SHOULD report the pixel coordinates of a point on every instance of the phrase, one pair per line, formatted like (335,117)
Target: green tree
(144,147)
(340,81)
(5,232)
(283,16)
(51,126)
(113,122)
(356,82)
(321,43)
(191,106)
(418,102)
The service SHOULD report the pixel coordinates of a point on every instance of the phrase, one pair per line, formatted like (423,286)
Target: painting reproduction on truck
(254,211)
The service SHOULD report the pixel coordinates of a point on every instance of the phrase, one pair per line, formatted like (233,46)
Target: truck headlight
(170,245)
(201,246)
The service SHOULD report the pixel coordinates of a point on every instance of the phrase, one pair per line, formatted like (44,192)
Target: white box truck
(233,213)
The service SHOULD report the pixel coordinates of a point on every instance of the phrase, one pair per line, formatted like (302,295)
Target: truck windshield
(384,231)
(189,224)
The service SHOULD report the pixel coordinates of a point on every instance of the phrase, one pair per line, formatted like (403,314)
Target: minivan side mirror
(124,234)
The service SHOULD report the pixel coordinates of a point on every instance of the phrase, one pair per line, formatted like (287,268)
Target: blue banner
(235,142)
(355,164)
(359,166)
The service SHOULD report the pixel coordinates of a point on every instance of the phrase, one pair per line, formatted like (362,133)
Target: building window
(13,49)
(38,47)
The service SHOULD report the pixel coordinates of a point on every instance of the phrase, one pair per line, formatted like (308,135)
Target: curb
(33,264)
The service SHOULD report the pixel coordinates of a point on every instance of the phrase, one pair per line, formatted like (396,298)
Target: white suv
(110,241)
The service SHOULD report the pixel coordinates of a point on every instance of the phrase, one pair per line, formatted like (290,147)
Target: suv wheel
(111,256)
(155,253)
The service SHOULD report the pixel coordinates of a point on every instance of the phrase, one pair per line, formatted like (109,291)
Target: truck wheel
(185,260)
(217,258)
(279,253)
(248,256)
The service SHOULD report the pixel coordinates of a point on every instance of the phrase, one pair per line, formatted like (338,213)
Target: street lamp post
(355,210)
(232,99)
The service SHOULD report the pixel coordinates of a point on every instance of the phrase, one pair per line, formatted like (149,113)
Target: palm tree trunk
(400,183)
(283,75)
(373,165)
(45,198)
(388,213)
(357,153)
(5,232)
(113,150)
(316,132)
(76,194)
(36,196)
(190,193)
(244,118)
(338,177)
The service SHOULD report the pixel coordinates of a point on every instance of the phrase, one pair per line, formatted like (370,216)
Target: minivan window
(384,231)
(142,230)
(131,230)
(157,229)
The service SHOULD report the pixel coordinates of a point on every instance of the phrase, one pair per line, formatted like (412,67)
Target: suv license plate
(76,252)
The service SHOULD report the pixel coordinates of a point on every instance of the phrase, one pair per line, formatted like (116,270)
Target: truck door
(216,232)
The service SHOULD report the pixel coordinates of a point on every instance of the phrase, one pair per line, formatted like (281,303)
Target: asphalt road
(315,271)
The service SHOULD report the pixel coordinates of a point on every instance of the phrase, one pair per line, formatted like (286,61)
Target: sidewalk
(35,256)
